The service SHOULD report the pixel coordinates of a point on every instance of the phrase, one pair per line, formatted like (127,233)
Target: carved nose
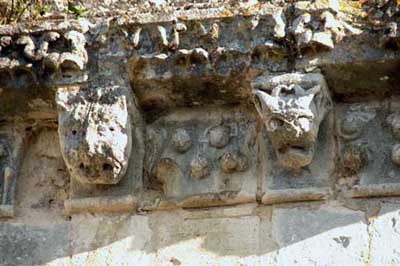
(89,142)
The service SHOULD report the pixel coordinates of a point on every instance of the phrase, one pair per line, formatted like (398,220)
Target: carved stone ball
(354,158)
(232,161)
(219,136)
(350,126)
(199,168)
(396,154)
(181,140)
(394,121)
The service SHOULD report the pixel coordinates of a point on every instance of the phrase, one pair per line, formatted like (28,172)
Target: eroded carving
(11,156)
(233,161)
(95,133)
(181,140)
(199,168)
(369,155)
(319,25)
(46,57)
(297,124)
(292,116)
(218,167)
(219,136)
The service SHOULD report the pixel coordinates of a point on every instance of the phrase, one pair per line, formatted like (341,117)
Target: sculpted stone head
(95,132)
(292,113)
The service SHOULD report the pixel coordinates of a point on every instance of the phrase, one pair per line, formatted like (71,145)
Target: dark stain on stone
(344,240)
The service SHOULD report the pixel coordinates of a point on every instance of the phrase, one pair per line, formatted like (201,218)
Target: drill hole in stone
(111,128)
(81,166)
(107,167)
(74,132)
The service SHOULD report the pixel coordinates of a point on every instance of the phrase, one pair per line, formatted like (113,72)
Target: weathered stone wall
(186,133)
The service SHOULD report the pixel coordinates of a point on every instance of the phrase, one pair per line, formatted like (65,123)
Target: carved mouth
(96,172)
(295,155)
(295,150)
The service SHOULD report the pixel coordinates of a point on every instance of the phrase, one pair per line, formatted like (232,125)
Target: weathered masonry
(279,110)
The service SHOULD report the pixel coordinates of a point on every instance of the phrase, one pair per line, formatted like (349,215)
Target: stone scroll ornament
(294,109)
(98,130)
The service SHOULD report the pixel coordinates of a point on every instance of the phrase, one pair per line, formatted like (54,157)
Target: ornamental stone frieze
(188,110)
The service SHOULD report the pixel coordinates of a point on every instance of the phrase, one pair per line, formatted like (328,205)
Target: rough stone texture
(384,236)
(218,168)
(194,141)
(95,133)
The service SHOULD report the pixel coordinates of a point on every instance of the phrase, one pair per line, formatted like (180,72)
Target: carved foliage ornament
(292,115)
(95,133)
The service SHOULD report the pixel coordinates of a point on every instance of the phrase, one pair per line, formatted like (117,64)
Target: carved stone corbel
(294,109)
(97,130)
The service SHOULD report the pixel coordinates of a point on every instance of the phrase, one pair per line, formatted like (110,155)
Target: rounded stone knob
(219,136)
(396,154)
(181,140)
(350,126)
(199,168)
(232,161)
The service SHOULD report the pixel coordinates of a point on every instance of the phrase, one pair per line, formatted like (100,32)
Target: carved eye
(274,123)
(304,123)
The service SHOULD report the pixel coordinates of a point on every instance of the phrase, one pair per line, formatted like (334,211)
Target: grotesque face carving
(292,115)
(95,133)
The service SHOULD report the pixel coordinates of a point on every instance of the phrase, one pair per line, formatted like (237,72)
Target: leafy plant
(16,9)
(76,9)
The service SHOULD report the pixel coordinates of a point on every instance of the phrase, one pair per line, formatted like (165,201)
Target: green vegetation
(15,10)
(12,11)
(75,9)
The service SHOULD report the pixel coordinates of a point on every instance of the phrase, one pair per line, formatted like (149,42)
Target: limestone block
(210,238)
(239,235)
(198,158)
(32,245)
(295,109)
(385,236)
(326,235)
(368,148)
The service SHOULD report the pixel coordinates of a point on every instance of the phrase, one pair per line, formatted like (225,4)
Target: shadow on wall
(359,232)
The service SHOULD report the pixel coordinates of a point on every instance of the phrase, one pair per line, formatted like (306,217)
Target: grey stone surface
(326,235)
(384,236)
(367,148)
(32,245)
